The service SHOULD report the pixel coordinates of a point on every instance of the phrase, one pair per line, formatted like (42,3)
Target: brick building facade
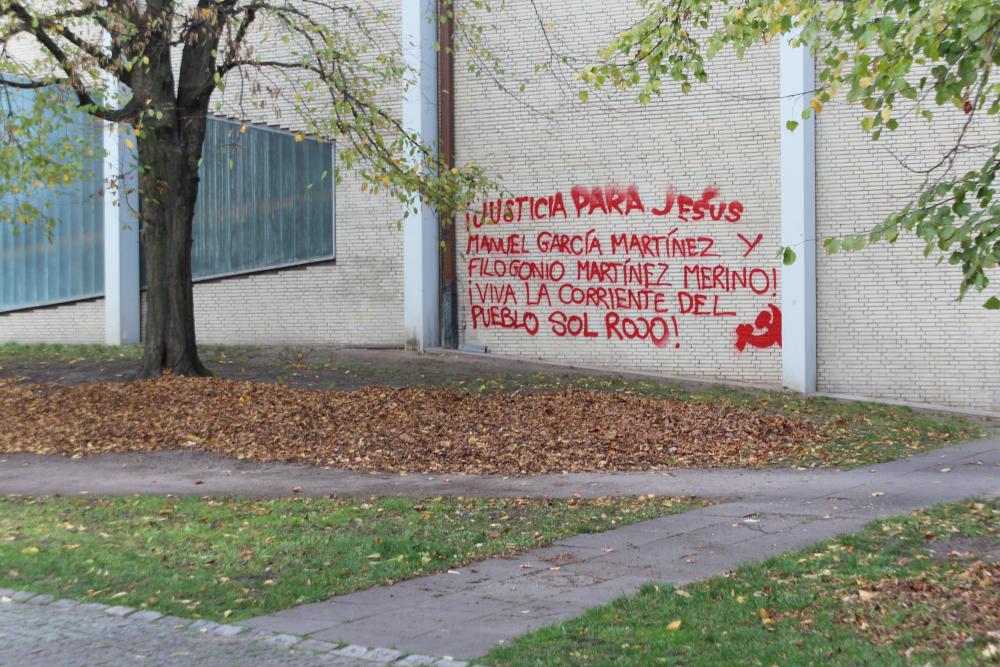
(637,237)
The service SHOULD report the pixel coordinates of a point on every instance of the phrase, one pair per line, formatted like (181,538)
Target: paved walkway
(464,612)
(191,473)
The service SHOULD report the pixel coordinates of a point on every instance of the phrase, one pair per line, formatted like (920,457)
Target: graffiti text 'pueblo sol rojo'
(604,200)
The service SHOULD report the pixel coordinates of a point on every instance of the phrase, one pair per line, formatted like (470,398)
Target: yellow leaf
(299,137)
(128,142)
(816,105)
(28,551)
(674,625)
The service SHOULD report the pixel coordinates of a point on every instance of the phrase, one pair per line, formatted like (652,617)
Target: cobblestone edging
(340,654)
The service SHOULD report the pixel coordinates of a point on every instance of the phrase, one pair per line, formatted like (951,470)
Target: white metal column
(420,231)
(798,219)
(121,242)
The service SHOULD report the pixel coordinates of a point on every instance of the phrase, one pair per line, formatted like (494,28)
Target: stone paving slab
(39,631)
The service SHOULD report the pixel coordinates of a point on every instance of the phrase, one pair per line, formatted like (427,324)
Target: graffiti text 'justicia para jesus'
(604,200)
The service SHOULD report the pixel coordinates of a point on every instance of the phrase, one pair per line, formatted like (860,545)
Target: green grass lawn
(65,353)
(905,591)
(231,558)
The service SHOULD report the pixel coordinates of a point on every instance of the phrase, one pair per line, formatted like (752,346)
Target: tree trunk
(168,191)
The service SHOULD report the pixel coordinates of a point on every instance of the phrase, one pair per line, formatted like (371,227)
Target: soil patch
(342,369)
(980,548)
(387,429)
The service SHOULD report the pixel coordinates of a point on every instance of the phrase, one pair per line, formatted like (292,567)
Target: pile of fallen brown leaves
(387,429)
(950,611)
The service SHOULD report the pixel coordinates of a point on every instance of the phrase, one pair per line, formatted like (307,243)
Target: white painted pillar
(121,241)
(420,231)
(798,219)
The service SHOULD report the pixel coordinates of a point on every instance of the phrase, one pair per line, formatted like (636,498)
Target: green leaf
(993,303)
(787,256)
(791,125)
(583,95)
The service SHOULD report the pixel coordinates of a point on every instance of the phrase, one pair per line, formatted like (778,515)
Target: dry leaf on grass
(965,607)
(386,429)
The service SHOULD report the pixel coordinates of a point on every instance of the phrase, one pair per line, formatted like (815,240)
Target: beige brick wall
(356,300)
(724,135)
(80,322)
(888,324)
